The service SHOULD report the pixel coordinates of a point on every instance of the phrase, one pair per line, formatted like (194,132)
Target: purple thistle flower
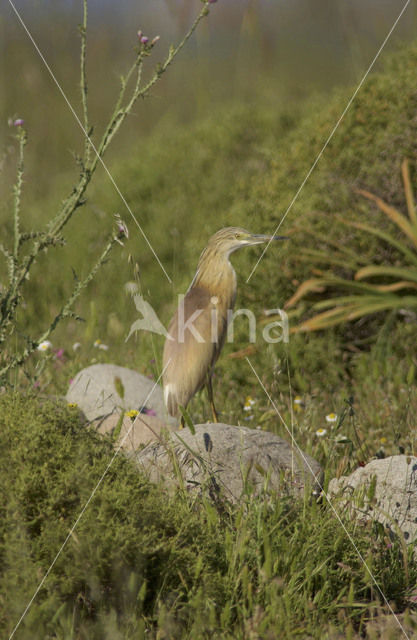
(19,122)
(144,40)
(122,230)
(147,411)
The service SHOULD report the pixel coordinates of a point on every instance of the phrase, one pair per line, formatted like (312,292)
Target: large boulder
(103,389)
(133,433)
(227,460)
(384,490)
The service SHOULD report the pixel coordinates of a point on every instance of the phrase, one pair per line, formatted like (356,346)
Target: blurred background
(262,52)
(217,142)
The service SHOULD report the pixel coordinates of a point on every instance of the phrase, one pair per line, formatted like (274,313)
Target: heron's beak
(258,238)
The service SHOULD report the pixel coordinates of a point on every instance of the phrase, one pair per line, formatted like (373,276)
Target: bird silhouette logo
(149,320)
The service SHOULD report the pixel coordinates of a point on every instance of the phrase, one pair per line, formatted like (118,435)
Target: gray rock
(384,490)
(134,433)
(225,459)
(96,391)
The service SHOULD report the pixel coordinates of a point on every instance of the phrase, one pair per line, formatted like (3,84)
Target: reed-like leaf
(340,301)
(323,320)
(318,285)
(314,284)
(396,286)
(405,171)
(328,241)
(389,239)
(358,307)
(387,271)
(364,298)
(319,257)
(398,218)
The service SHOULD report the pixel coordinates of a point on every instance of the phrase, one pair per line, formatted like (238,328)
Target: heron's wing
(191,347)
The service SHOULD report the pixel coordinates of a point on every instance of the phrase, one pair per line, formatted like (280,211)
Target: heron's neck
(216,274)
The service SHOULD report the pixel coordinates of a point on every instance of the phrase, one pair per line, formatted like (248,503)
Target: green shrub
(174,566)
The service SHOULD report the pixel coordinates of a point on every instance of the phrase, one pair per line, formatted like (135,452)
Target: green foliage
(141,563)
(173,566)
(240,166)
(362,298)
(130,539)
(243,166)
(19,264)
(377,133)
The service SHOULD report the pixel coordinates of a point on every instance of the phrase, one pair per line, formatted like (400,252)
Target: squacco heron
(198,329)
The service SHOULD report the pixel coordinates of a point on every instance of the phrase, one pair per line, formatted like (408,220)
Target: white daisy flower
(100,345)
(44,345)
(249,402)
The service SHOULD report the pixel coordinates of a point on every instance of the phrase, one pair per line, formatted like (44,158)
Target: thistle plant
(374,288)
(26,246)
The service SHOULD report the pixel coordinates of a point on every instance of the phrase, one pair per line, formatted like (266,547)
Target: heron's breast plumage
(196,335)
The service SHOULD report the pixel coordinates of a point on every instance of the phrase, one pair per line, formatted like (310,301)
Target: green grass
(171,566)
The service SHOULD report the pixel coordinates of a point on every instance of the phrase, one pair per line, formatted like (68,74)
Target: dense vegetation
(142,565)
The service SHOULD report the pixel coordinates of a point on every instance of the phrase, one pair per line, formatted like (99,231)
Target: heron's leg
(182,423)
(210,397)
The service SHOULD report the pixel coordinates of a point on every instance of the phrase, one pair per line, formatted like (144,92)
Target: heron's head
(230,239)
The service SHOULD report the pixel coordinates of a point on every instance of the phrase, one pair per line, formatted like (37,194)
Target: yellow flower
(72,405)
(132,413)
(383,440)
(298,403)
